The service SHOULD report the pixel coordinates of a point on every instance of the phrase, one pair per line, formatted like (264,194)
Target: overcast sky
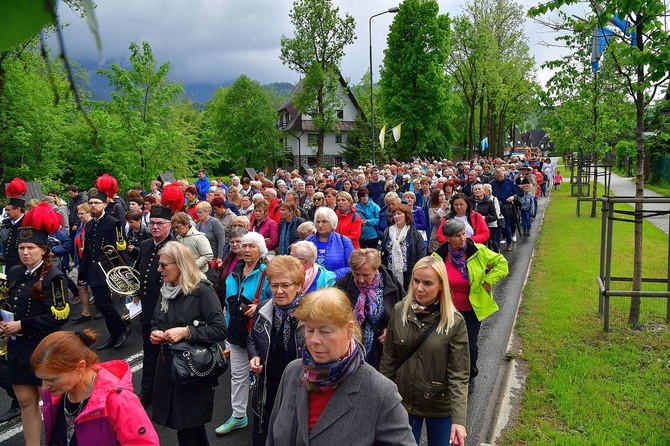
(214,41)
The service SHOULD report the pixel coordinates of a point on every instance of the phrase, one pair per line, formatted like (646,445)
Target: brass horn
(121,278)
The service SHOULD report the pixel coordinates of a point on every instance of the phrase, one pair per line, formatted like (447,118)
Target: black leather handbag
(196,362)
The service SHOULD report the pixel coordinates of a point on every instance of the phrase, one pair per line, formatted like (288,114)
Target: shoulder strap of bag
(257,296)
(419,344)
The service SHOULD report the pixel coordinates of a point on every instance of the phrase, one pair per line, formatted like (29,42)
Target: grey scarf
(168,292)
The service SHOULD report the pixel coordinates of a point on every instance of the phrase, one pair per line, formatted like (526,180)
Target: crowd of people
(325,287)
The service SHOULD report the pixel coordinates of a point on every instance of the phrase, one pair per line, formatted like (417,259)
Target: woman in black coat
(274,340)
(373,291)
(189,310)
(402,245)
(37,299)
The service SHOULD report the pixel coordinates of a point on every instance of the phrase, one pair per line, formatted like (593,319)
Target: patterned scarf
(367,295)
(322,377)
(397,240)
(421,309)
(457,258)
(281,322)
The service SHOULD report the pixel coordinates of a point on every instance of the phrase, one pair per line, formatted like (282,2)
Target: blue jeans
(438,430)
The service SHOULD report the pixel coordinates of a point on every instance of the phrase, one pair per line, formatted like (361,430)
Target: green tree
(413,88)
(142,120)
(36,115)
(644,67)
(315,51)
(241,123)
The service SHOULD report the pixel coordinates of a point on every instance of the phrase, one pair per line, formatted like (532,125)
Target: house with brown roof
(299,136)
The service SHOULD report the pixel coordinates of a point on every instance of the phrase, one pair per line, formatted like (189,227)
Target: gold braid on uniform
(120,240)
(60,309)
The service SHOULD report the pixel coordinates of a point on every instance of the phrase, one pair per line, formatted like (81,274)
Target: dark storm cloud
(214,41)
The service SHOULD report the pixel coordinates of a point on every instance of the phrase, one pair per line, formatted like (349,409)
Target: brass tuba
(4,304)
(121,278)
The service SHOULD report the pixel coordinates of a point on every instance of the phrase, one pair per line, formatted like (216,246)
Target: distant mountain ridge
(199,93)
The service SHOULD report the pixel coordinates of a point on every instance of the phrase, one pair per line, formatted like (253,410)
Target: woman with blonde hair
(426,354)
(327,396)
(85,401)
(189,311)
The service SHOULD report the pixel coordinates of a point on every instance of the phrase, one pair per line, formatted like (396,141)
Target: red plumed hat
(16,188)
(38,223)
(107,184)
(173,197)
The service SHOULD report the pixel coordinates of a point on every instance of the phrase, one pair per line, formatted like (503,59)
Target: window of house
(340,114)
(338,138)
(312,139)
(311,160)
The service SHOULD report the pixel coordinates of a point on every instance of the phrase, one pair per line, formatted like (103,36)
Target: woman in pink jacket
(85,400)
(264,225)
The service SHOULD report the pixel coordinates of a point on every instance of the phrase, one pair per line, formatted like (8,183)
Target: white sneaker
(503,241)
(514,238)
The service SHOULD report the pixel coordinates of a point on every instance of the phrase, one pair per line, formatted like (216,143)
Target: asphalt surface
(493,338)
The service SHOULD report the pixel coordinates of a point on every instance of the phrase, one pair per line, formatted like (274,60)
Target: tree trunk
(471,126)
(634,314)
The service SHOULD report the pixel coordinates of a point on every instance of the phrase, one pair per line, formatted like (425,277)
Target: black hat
(97,194)
(28,234)
(17,202)
(158,211)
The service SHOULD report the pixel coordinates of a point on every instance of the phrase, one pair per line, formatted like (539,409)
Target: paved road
(625,187)
(493,339)
(11,433)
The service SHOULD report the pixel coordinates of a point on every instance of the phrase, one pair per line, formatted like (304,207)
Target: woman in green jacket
(472,270)
(426,354)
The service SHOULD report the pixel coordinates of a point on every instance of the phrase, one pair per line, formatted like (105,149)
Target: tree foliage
(315,51)
(492,68)
(643,65)
(241,121)
(413,88)
(155,138)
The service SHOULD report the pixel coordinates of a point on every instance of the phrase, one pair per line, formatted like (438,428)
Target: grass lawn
(587,387)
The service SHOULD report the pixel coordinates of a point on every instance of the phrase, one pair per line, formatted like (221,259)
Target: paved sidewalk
(625,187)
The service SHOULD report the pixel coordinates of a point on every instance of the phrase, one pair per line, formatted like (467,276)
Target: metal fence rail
(606,281)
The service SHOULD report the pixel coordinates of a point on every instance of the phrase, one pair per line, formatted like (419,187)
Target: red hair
(173,197)
(61,351)
(16,188)
(107,184)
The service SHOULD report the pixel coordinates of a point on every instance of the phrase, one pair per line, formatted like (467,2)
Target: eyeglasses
(283,286)
(165,264)
(158,223)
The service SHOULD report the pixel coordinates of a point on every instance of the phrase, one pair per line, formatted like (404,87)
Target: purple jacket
(113,415)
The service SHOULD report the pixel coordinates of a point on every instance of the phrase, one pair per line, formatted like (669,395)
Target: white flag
(382,136)
(396,132)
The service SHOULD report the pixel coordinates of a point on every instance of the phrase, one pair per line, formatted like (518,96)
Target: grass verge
(587,387)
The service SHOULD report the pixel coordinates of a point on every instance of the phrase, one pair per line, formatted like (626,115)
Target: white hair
(258,240)
(326,212)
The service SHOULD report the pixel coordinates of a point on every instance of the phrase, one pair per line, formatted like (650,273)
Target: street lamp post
(392,10)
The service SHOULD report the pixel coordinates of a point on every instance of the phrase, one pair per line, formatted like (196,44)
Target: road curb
(511,380)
